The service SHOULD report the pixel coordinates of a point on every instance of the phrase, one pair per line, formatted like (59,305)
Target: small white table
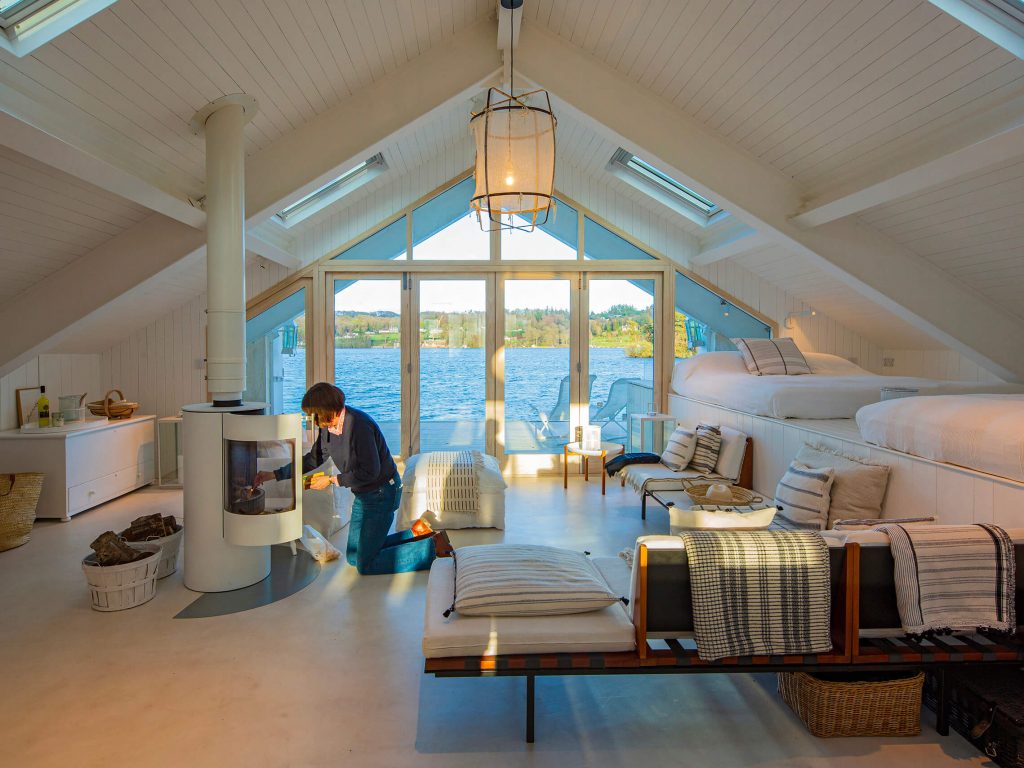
(576,449)
(660,426)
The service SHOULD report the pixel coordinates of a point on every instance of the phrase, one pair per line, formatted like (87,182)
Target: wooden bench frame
(850,652)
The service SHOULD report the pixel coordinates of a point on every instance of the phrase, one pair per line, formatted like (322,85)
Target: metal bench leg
(643,505)
(942,703)
(531,692)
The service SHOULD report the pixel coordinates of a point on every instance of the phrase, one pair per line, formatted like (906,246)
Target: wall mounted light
(725,308)
(806,313)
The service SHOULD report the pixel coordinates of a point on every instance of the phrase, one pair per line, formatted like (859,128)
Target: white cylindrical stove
(231,519)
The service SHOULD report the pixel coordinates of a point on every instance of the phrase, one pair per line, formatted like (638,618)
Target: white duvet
(981,432)
(836,389)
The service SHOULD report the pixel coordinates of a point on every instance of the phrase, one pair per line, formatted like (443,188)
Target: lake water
(452,380)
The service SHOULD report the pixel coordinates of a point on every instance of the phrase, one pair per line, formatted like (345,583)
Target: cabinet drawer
(94,455)
(86,495)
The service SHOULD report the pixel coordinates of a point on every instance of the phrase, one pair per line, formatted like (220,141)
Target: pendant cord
(512,52)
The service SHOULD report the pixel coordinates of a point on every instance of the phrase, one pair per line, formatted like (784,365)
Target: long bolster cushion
(607,630)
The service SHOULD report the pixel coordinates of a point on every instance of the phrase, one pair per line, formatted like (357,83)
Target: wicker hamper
(864,706)
(19,495)
(980,697)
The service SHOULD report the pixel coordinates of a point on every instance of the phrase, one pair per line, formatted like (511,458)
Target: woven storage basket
(860,708)
(169,546)
(113,409)
(119,587)
(741,497)
(19,495)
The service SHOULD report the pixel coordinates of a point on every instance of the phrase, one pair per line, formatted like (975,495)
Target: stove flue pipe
(223,122)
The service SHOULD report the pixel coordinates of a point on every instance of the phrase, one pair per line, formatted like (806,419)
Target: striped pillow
(679,449)
(709,445)
(527,580)
(772,357)
(802,496)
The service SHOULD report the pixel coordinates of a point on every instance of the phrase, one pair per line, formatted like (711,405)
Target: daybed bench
(652,635)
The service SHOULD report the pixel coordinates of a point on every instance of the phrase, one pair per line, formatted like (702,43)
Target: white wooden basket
(119,587)
(171,546)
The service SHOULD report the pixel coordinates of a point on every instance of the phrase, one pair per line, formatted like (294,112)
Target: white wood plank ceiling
(49,219)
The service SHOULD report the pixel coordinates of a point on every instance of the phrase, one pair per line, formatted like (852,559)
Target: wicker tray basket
(113,409)
(19,495)
(741,497)
(119,587)
(863,707)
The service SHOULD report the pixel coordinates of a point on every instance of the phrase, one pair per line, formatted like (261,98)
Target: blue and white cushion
(679,449)
(803,496)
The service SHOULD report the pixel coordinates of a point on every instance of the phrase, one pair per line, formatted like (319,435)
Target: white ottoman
(491,513)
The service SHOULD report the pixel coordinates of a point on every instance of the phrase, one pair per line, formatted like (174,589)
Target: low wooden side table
(575,449)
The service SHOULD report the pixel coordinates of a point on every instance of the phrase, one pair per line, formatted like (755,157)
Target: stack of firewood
(150,527)
(110,550)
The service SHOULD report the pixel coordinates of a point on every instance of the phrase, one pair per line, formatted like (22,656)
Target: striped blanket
(953,577)
(759,592)
(453,482)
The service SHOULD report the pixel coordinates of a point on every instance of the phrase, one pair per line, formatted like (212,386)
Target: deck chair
(559,414)
(607,413)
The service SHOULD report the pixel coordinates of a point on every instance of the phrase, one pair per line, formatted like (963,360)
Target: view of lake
(452,380)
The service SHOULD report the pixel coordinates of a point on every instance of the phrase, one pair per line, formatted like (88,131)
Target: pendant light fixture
(515,153)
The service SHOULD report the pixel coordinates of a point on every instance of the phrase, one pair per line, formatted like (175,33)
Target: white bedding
(981,432)
(836,389)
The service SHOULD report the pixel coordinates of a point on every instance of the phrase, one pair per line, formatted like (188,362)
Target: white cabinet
(85,467)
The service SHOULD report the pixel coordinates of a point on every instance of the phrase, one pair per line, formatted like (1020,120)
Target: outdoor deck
(521,436)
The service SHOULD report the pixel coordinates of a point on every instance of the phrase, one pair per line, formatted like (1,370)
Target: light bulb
(509,179)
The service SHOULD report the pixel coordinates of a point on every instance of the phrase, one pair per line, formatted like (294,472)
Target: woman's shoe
(443,545)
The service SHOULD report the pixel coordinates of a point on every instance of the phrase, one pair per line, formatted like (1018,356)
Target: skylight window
(664,188)
(332,191)
(28,24)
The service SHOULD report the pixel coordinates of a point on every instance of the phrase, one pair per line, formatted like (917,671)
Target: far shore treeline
(620,326)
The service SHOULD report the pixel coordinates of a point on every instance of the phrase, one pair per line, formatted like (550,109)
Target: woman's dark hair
(323,402)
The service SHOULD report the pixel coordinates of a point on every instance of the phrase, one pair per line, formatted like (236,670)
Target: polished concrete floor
(332,675)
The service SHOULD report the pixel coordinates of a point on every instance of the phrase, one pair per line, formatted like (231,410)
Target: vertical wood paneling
(936,364)
(60,374)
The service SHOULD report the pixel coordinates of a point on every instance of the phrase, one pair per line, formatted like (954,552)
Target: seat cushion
(652,476)
(527,580)
(606,630)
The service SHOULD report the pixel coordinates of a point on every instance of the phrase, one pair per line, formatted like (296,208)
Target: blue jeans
(370,549)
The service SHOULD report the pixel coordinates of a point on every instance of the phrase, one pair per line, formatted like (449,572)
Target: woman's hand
(321,483)
(263,476)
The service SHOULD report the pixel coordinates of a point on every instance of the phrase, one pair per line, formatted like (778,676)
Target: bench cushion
(607,630)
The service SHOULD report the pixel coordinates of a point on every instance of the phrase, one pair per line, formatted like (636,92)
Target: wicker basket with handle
(113,409)
(857,708)
(19,495)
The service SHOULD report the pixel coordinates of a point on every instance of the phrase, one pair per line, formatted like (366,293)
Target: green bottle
(43,405)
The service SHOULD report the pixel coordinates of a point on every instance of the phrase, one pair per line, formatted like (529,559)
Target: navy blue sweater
(360,453)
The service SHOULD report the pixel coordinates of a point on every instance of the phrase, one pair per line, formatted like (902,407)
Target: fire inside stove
(249,487)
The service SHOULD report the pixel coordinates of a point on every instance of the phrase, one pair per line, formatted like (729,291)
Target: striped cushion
(709,444)
(679,449)
(527,580)
(772,357)
(802,496)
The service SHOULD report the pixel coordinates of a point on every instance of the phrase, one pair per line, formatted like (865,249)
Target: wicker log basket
(113,409)
(741,497)
(829,708)
(19,495)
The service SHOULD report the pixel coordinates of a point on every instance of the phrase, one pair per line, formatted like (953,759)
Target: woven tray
(113,409)
(740,496)
(863,707)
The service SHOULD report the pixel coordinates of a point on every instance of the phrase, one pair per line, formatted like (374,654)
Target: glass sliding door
(277,362)
(538,386)
(366,330)
(452,364)
(622,345)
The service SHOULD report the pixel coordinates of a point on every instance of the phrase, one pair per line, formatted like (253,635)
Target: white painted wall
(60,374)
(935,364)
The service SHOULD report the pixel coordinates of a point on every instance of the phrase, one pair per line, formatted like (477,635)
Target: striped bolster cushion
(709,445)
(802,496)
(679,449)
(772,357)
(527,580)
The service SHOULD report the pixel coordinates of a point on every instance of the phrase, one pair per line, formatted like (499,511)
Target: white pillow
(832,365)
(772,357)
(705,364)
(704,517)
(679,449)
(709,446)
(802,496)
(858,487)
(730,456)
(527,580)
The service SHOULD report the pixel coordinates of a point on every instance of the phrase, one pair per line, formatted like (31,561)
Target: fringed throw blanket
(953,578)
(453,482)
(759,592)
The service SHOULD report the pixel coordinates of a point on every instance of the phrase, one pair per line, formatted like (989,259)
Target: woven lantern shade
(515,160)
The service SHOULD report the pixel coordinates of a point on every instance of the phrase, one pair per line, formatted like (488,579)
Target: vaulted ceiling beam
(736,243)
(764,198)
